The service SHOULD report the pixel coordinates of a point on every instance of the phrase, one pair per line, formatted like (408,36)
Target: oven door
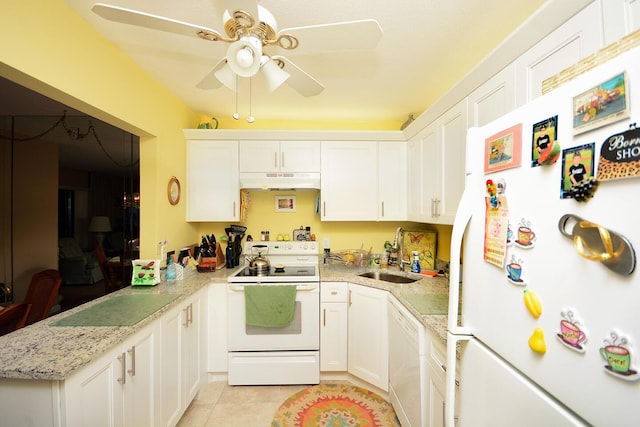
(302,334)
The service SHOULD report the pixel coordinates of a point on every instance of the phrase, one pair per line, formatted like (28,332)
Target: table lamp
(100,225)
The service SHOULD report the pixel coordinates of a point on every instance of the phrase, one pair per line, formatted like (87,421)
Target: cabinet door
(453,136)
(349,187)
(191,345)
(333,336)
(142,386)
(213,182)
(430,174)
(94,394)
(259,156)
(300,156)
(217,325)
(414,178)
(172,394)
(392,181)
(368,335)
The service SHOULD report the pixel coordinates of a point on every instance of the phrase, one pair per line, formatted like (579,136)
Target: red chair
(13,317)
(42,294)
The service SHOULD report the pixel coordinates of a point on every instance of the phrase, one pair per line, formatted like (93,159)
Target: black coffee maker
(235,234)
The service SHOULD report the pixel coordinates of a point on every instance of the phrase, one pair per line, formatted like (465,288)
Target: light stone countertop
(44,352)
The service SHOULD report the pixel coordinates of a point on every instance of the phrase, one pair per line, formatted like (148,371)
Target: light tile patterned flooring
(221,405)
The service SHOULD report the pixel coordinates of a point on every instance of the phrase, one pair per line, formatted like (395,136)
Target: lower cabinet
(182,363)
(333,326)
(368,335)
(119,389)
(437,367)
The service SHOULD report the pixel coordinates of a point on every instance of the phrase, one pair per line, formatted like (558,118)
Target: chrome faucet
(397,248)
(403,263)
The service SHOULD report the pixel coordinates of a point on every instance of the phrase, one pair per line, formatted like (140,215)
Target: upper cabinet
(436,168)
(213,181)
(392,181)
(349,181)
(279,156)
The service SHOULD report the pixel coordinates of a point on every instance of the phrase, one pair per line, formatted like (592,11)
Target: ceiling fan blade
(299,80)
(147,20)
(249,6)
(210,81)
(338,36)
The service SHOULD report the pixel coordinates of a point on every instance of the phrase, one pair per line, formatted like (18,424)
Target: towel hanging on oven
(270,306)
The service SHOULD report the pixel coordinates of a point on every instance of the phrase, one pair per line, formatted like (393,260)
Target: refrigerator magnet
(572,333)
(515,271)
(616,352)
(525,236)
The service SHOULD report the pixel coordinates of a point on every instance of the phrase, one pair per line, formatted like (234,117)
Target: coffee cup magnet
(572,332)
(524,235)
(515,271)
(616,352)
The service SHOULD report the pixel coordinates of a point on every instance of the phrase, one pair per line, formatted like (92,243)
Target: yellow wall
(47,47)
(342,235)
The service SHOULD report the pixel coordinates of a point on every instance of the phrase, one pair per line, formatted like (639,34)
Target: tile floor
(221,405)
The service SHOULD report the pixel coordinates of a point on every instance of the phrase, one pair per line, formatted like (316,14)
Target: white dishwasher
(407,366)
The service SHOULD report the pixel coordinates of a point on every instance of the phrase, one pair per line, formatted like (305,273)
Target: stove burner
(279,271)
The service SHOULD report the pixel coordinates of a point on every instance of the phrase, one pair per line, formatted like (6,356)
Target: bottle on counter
(171,270)
(415,265)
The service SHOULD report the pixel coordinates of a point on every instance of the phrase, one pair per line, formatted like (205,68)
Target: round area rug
(335,405)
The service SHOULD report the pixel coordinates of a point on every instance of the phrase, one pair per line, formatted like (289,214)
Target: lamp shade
(100,224)
(273,75)
(244,56)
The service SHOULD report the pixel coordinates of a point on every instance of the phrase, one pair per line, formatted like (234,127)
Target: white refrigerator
(566,351)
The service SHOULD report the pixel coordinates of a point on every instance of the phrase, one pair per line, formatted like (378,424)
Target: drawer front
(334,291)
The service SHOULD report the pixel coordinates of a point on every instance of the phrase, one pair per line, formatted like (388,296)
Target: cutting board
(121,310)
(423,241)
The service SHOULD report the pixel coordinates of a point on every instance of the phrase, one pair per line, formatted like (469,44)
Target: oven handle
(299,288)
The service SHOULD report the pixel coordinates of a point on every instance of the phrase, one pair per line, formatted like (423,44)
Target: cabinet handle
(282,160)
(132,352)
(350,297)
(383,209)
(186,316)
(324,317)
(437,207)
(123,363)
(324,208)
(275,160)
(190,314)
(444,411)
(234,209)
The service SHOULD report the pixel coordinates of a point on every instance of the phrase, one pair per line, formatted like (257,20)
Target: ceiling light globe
(244,57)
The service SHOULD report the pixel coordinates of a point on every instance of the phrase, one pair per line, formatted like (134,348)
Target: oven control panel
(282,248)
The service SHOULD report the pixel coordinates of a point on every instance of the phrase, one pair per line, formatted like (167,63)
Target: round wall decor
(173,190)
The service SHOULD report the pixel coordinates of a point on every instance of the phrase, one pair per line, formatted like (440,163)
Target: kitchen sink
(387,277)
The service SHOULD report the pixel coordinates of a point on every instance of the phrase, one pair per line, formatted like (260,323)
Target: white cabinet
(182,365)
(279,156)
(333,326)
(368,335)
(437,178)
(217,352)
(392,181)
(349,181)
(436,389)
(121,388)
(213,182)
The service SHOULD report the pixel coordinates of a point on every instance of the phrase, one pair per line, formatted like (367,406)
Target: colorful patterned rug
(335,405)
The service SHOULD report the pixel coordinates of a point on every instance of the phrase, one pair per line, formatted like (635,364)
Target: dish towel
(270,306)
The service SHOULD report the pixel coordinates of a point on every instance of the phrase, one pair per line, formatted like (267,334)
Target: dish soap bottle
(171,270)
(415,265)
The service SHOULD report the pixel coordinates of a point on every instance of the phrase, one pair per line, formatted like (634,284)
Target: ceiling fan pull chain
(250,119)
(236,116)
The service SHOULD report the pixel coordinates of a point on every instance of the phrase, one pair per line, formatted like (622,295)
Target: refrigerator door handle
(450,377)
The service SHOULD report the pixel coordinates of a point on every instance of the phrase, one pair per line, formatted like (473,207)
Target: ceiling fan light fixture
(244,56)
(226,76)
(272,73)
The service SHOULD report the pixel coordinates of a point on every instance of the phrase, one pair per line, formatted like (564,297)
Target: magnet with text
(525,236)
(617,354)
(572,333)
(620,155)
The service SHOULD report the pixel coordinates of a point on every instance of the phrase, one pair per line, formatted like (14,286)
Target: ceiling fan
(250,29)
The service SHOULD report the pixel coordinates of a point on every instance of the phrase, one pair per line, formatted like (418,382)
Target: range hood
(280,180)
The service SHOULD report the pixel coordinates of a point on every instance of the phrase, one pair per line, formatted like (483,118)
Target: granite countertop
(43,351)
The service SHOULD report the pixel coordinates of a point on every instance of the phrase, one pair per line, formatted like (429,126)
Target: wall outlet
(325,243)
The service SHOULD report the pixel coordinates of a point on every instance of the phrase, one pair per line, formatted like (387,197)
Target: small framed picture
(577,167)
(503,150)
(602,104)
(544,136)
(285,203)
